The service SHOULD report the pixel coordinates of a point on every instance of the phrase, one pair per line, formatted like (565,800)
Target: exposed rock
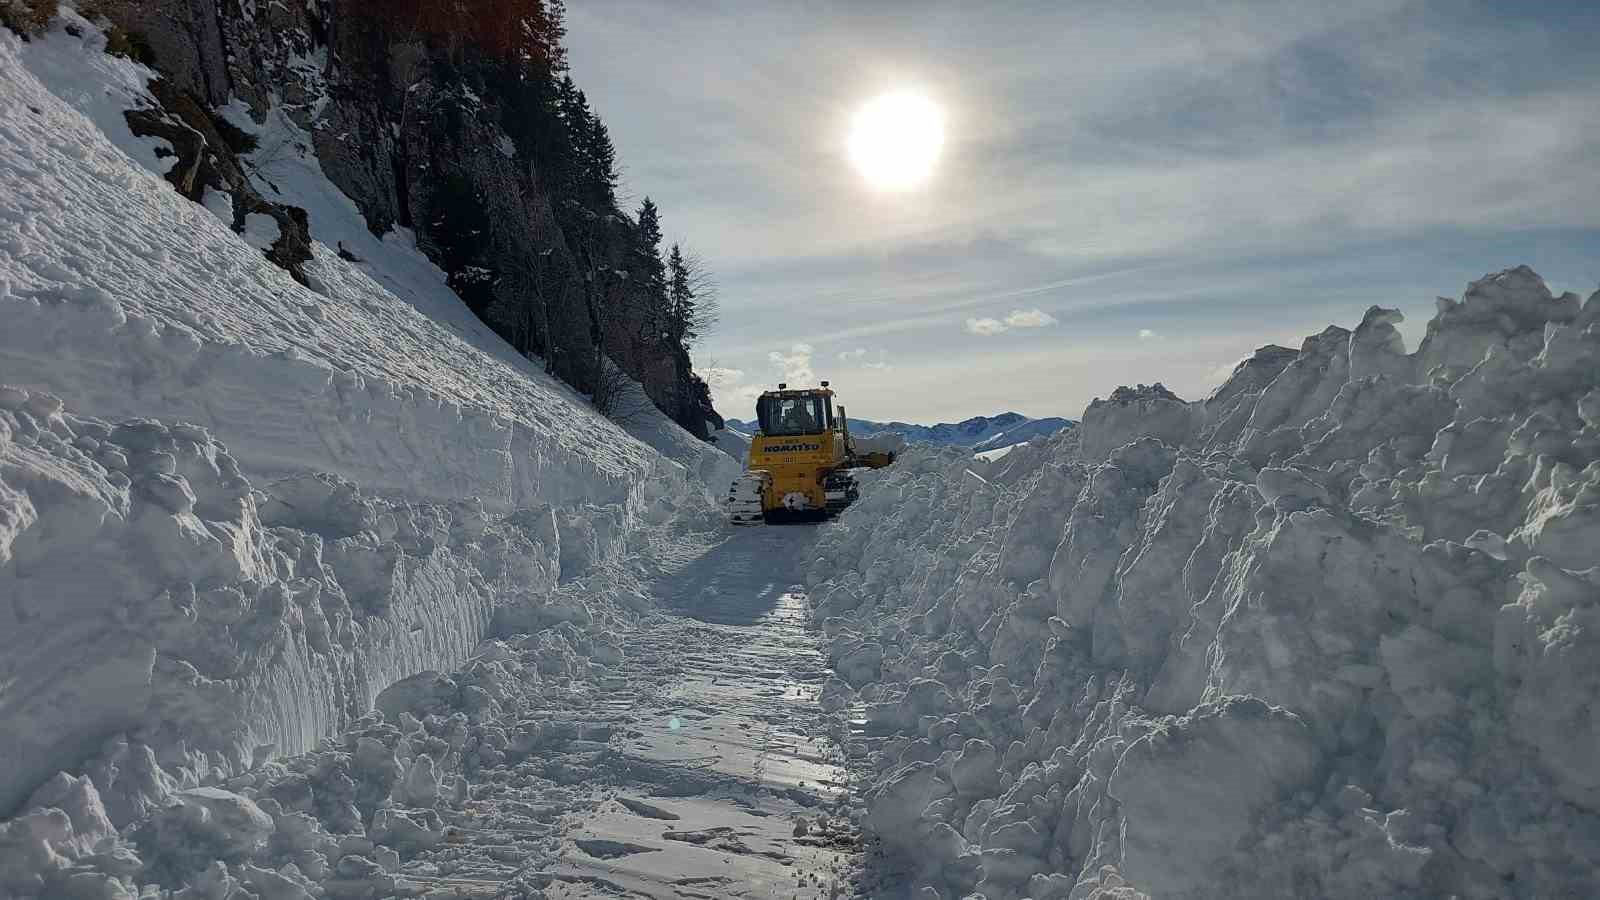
(208,162)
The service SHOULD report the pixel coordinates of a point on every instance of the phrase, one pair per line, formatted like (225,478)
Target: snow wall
(1332,632)
(233,509)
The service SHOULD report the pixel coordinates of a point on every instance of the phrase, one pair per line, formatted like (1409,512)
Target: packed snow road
(703,766)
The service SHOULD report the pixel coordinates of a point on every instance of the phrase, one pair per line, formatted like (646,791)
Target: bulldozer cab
(793,413)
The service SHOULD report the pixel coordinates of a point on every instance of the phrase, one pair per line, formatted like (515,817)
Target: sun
(895,140)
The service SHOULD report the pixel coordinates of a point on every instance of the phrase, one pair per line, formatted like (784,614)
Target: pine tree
(652,275)
(546,30)
(573,105)
(569,166)
(595,158)
(601,157)
(680,298)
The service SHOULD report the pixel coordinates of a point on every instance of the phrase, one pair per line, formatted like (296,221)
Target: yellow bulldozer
(800,460)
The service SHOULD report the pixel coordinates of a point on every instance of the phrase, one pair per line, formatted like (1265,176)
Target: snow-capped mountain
(978,432)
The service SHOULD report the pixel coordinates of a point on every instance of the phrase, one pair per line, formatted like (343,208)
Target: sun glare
(895,140)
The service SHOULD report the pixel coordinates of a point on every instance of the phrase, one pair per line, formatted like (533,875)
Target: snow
(1328,632)
(325,592)
(99,86)
(220,205)
(261,231)
(1022,432)
(375,606)
(661,705)
(998,453)
(733,442)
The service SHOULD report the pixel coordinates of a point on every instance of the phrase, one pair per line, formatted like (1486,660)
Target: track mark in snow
(726,723)
(603,849)
(641,808)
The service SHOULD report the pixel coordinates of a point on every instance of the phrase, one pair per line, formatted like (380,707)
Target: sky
(1127,192)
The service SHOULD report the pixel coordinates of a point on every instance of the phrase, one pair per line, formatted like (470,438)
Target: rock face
(421,134)
(207,162)
(1329,632)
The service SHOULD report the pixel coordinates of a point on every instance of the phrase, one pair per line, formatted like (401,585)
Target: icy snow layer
(1332,632)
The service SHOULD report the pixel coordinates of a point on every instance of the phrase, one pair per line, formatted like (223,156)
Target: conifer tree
(680,298)
(595,158)
(601,157)
(652,275)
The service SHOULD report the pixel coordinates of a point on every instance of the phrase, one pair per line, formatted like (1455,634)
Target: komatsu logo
(793,448)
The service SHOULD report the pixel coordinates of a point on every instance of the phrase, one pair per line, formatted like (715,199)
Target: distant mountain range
(978,432)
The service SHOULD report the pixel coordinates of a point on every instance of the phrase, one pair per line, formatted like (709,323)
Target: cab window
(781,416)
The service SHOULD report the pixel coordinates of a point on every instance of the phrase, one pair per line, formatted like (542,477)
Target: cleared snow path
(685,774)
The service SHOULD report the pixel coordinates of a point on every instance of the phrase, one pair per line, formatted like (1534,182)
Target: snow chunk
(1133,413)
(1193,786)
(219,204)
(261,231)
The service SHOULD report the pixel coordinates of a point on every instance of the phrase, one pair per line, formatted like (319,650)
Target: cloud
(721,376)
(1146,334)
(1032,318)
(880,360)
(1018,318)
(986,327)
(795,364)
(729,388)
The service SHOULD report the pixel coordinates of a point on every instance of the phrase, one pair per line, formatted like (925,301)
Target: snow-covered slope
(246,506)
(1022,432)
(1330,632)
(733,442)
(124,298)
(996,454)
(978,432)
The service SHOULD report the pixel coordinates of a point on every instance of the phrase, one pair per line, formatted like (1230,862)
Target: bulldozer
(801,460)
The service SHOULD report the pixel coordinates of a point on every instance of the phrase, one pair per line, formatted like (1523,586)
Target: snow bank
(734,443)
(234,509)
(1329,632)
(223,621)
(1144,411)
(333,822)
